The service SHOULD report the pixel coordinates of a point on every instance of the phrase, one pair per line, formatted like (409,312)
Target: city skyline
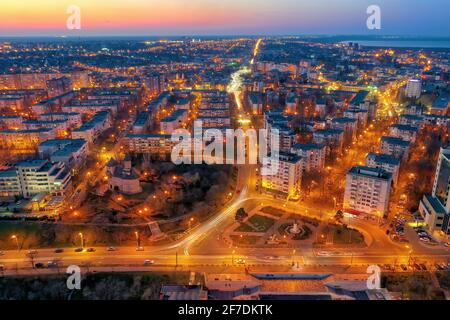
(203,17)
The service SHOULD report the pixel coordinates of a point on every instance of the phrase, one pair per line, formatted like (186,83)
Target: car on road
(52,264)
(423,267)
(79,250)
(59,250)
(149,262)
(439,266)
(39,265)
(423,239)
(111,249)
(90,250)
(447,244)
(240,261)
(140,249)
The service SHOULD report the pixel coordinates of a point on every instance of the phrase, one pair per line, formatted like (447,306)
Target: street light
(138,239)
(81,239)
(14,237)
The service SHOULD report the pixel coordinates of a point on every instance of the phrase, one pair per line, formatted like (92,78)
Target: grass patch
(245,240)
(261,223)
(273,211)
(343,235)
(244,227)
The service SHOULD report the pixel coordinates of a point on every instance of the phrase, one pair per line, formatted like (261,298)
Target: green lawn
(245,240)
(347,236)
(261,223)
(244,227)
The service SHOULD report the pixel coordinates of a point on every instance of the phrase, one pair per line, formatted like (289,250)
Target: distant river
(403,43)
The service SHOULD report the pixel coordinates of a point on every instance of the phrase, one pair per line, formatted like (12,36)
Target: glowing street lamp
(138,239)
(14,237)
(81,239)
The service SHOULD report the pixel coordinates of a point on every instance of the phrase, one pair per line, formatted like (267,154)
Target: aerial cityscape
(141,163)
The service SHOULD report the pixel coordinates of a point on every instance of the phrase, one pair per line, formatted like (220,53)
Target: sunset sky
(223,17)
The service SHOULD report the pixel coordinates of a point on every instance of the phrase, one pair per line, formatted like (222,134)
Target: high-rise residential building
(367,191)
(385,162)
(414,88)
(287,178)
(435,208)
(32,177)
(313,155)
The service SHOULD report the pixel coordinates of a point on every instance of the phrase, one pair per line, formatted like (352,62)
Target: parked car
(52,264)
(111,249)
(149,262)
(90,250)
(140,249)
(39,265)
(59,250)
(79,250)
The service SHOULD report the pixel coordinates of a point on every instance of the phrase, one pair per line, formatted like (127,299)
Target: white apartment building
(312,154)
(404,132)
(92,129)
(170,123)
(395,147)
(435,208)
(414,88)
(367,191)
(32,177)
(385,162)
(287,180)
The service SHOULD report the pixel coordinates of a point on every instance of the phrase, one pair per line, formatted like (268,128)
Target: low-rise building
(174,121)
(404,132)
(92,129)
(25,139)
(395,147)
(72,152)
(412,120)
